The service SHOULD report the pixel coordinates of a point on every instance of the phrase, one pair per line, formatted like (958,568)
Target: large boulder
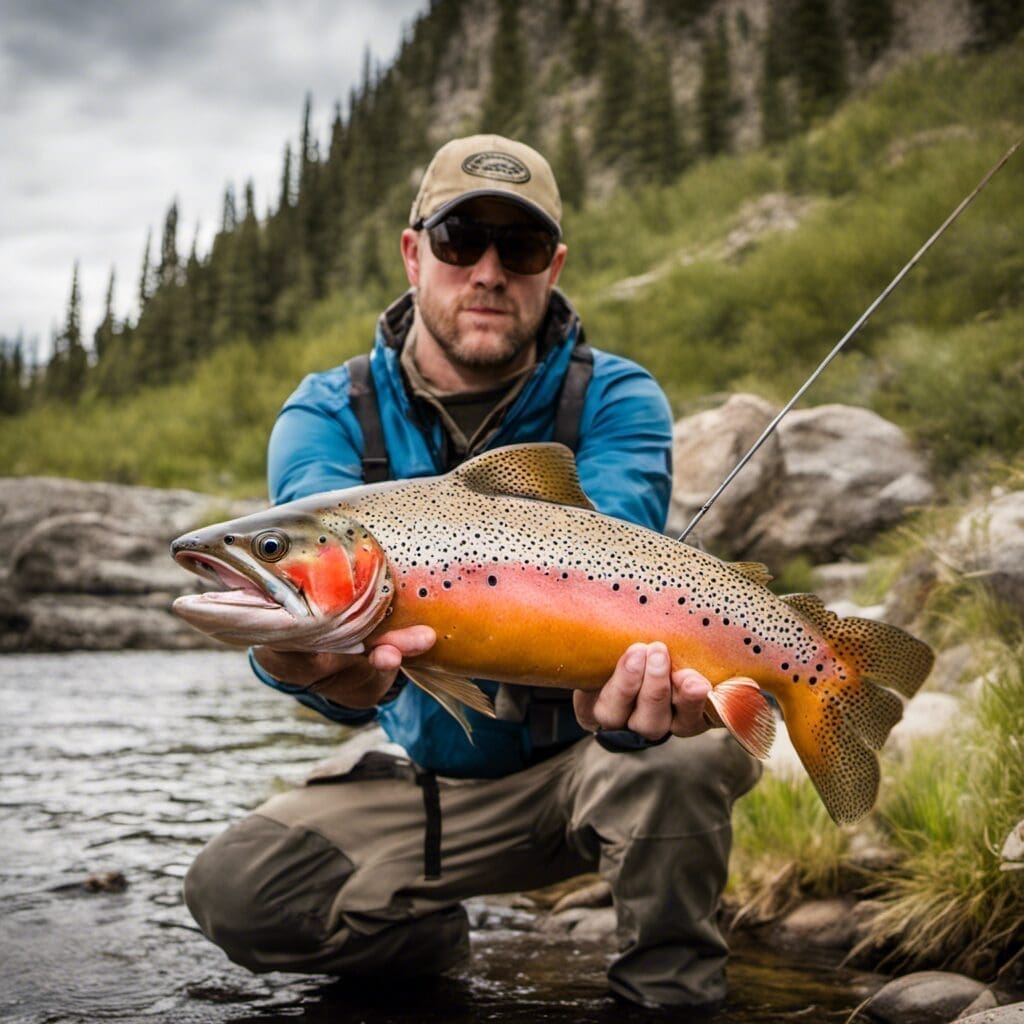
(827,479)
(87,564)
(705,447)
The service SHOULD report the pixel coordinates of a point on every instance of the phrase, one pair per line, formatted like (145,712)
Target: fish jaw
(295,580)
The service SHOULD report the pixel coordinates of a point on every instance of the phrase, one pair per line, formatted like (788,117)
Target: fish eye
(270,545)
(229,538)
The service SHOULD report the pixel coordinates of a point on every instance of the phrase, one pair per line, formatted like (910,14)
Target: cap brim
(492,193)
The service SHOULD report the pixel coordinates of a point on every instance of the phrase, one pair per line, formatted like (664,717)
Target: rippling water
(130,762)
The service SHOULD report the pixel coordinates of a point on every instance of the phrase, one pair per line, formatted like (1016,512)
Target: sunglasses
(522,248)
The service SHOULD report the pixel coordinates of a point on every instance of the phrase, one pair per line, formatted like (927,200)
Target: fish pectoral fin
(742,708)
(452,692)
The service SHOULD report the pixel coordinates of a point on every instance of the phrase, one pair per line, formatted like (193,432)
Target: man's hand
(644,695)
(354,680)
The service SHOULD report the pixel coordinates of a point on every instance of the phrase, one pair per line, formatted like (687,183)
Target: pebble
(1011,1014)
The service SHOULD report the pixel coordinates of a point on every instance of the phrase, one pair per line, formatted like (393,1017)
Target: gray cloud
(112,109)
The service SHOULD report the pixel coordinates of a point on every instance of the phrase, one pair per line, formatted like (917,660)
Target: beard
(472,349)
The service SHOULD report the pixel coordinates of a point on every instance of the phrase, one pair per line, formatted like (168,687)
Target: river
(129,762)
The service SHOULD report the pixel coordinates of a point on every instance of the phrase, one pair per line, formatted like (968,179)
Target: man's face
(482,316)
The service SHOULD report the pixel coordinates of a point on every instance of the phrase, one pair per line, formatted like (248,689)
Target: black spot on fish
(492,581)
(423,591)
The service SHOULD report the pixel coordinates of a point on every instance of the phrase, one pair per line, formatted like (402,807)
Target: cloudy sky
(113,108)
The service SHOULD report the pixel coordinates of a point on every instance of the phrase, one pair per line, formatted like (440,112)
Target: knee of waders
(685,784)
(261,887)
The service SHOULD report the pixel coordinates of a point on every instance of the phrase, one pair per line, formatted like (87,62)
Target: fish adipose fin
(543,472)
(756,572)
(452,692)
(742,708)
(838,724)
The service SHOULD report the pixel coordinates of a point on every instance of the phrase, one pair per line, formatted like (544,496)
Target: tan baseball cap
(487,165)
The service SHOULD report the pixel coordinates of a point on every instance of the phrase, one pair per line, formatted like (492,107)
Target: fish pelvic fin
(543,472)
(741,707)
(453,693)
(838,725)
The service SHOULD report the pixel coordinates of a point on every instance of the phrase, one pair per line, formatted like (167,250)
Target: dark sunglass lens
(526,251)
(457,243)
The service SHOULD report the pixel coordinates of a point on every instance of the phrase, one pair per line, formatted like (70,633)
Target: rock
(585,924)
(596,894)
(838,581)
(985,1001)
(928,714)
(88,565)
(823,924)
(989,542)
(1010,1014)
(705,448)
(1012,853)
(598,925)
(925,997)
(952,667)
(828,478)
(847,474)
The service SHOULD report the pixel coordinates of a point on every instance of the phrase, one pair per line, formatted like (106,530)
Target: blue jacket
(624,463)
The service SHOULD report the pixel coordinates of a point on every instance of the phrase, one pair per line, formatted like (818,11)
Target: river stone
(823,924)
(705,448)
(989,541)
(1013,1013)
(1012,852)
(928,714)
(848,473)
(88,566)
(925,997)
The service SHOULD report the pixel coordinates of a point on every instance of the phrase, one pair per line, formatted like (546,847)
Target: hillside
(742,178)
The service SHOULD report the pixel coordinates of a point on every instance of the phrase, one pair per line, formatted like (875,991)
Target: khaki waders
(354,874)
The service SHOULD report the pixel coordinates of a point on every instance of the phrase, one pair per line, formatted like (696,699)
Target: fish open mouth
(236,587)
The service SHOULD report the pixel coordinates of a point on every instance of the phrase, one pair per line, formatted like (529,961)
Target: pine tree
(168,269)
(614,134)
(870,24)
(995,22)
(570,171)
(507,104)
(776,121)
(659,148)
(147,279)
(714,97)
(817,55)
(584,44)
(103,337)
(65,374)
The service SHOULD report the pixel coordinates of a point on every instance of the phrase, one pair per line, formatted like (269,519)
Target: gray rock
(925,997)
(928,714)
(847,474)
(596,894)
(823,924)
(1013,1013)
(88,564)
(985,1001)
(705,447)
(838,581)
(828,478)
(1012,852)
(989,543)
(598,925)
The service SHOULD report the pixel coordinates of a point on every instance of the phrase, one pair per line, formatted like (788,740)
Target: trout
(524,582)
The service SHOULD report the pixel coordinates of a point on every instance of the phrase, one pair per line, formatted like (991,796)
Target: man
(363,872)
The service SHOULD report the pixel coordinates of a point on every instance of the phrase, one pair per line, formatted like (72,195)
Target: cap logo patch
(500,166)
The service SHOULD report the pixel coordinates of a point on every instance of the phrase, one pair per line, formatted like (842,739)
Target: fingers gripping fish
(525,582)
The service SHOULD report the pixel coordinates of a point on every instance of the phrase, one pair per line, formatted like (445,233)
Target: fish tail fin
(838,724)
(452,692)
(741,707)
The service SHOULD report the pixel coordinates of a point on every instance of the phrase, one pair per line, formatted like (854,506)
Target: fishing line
(964,203)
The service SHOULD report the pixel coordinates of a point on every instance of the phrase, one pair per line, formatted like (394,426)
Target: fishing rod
(964,203)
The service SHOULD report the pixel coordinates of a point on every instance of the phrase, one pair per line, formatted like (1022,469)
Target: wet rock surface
(88,567)
(924,997)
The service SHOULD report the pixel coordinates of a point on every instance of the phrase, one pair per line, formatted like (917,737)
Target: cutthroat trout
(525,582)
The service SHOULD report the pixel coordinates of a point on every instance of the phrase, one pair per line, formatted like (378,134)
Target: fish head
(294,578)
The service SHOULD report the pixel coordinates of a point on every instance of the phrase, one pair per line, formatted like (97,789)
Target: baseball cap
(487,165)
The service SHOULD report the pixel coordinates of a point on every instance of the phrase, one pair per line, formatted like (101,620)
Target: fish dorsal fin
(544,472)
(812,609)
(756,572)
